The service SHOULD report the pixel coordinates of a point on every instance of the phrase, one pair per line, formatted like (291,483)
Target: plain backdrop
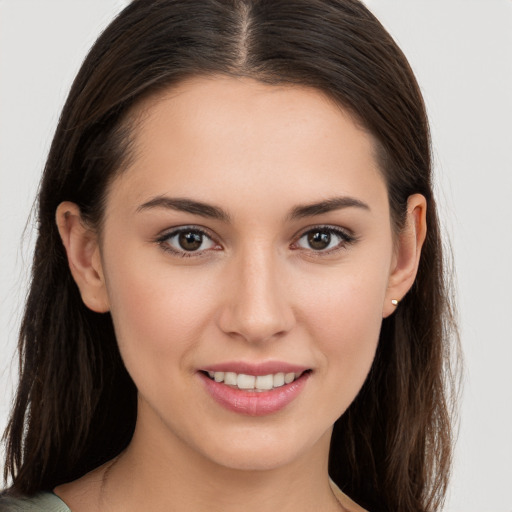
(461,51)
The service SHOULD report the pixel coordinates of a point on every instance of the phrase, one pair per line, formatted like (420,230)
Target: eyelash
(164,243)
(345,237)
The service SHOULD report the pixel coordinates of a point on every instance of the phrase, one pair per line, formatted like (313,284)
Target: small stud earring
(394,302)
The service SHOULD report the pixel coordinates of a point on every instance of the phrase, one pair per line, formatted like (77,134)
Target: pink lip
(253,403)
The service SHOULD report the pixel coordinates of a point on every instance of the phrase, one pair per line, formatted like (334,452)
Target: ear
(83,252)
(407,253)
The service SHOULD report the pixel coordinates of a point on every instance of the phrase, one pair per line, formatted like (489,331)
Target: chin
(266,452)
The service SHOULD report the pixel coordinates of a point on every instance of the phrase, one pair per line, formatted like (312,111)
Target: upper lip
(253,368)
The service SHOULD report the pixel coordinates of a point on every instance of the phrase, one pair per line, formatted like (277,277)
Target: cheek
(157,314)
(347,301)
(345,317)
(347,335)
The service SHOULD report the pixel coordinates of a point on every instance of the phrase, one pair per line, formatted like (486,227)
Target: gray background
(461,51)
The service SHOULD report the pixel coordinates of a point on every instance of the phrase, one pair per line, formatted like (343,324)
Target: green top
(41,502)
(49,502)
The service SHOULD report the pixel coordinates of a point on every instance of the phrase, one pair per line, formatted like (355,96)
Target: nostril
(256,327)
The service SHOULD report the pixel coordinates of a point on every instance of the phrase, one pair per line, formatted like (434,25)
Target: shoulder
(40,502)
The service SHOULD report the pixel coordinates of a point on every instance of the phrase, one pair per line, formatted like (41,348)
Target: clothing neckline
(343,499)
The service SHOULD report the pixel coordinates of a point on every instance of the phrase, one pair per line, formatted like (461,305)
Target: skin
(255,291)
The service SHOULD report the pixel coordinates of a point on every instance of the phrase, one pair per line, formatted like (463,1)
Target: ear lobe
(408,251)
(83,253)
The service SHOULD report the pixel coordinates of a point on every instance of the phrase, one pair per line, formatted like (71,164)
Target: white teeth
(230,378)
(245,381)
(257,383)
(264,382)
(289,377)
(278,380)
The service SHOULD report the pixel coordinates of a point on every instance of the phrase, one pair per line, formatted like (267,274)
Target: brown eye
(319,240)
(186,241)
(324,239)
(190,241)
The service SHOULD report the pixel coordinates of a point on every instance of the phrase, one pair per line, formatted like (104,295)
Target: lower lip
(254,403)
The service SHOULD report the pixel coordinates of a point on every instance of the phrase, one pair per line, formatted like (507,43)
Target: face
(247,255)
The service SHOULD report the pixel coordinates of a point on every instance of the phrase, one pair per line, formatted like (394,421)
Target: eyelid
(165,235)
(348,238)
(346,235)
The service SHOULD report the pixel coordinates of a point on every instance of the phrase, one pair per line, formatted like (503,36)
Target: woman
(238,296)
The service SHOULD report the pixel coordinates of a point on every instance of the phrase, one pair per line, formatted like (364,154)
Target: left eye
(323,239)
(187,241)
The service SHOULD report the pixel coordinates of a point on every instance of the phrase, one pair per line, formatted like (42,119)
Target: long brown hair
(76,404)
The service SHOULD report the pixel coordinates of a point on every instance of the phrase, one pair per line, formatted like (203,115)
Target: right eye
(187,242)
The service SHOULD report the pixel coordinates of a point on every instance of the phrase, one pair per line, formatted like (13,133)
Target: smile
(256,383)
(257,393)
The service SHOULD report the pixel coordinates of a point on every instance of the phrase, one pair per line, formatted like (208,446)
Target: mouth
(259,391)
(254,383)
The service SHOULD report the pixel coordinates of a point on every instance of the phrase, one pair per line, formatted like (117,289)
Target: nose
(258,302)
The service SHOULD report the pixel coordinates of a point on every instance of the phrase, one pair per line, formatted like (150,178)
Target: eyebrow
(214,212)
(329,205)
(186,205)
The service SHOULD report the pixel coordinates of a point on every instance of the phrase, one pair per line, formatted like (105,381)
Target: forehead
(208,135)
